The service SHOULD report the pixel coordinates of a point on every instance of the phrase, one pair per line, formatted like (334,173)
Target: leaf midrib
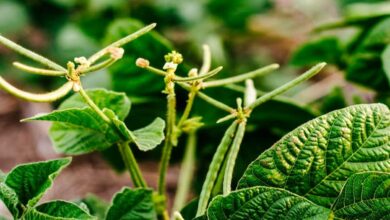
(342,164)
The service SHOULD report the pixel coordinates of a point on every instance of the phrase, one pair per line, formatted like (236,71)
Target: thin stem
(155,70)
(121,42)
(131,164)
(92,104)
(199,77)
(99,66)
(32,97)
(186,173)
(123,146)
(30,54)
(232,157)
(168,144)
(38,71)
(187,110)
(305,76)
(208,99)
(241,77)
(206,60)
(214,168)
(185,79)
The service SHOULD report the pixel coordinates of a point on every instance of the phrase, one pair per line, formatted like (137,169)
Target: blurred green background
(243,35)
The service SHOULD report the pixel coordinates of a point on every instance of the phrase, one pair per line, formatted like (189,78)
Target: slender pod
(44,97)
(214,167)
(121,42)
(232,157)
(241,77)
(38,71)
(305,76)
(32,55)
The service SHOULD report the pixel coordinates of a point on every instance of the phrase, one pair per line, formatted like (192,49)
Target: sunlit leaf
(316,159)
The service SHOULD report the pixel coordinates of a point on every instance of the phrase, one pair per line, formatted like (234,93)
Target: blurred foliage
(63,29)
(363,56)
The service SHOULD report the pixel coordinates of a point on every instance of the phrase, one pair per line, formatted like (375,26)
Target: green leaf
(132,204)
(57,210)
(316,159)
(386,62)
(334,100)
(30,181)
(147,138)
(264,203)
(189,211)
(326,49)
(96,206)
(116,101)
(10,200)
(236,13)
(365,68)
(364,196)
(79,131)
(379,35)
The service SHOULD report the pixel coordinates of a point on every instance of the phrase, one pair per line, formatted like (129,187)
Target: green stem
(184,79)
(270,95)
(45,97)
(168,144)
(124,148)
(99,66)
(214,168)
(121,42)
(231,158)
(131,164)
(199,77)
(92,104)
(241,77)
(30,54)
(186,173)
(208,99)
(187,110)
(38,71)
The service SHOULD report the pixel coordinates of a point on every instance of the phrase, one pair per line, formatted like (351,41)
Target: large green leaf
(264,203)
(79,131)
(57,210)
(316,159)
(364,196)
(132,204)
(30,181)
(116,101)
